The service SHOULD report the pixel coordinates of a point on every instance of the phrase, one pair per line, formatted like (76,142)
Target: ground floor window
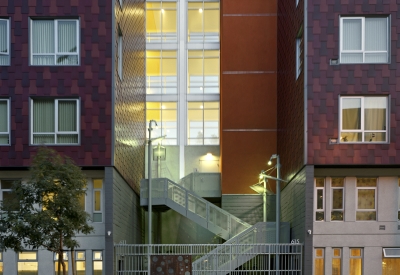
(1,263)
(27,263)
(356,255)
(337,261)
(80,263)
(65,256)
(391,261)
(319,261)
(97,262)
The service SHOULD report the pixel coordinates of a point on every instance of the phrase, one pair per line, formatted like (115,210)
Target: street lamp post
(150,209)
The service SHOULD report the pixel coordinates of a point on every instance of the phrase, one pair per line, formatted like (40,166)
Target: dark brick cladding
(130,94)
(326,83)
(91,81)
(290,90)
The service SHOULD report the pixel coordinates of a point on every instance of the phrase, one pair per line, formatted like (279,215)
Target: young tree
(45,211)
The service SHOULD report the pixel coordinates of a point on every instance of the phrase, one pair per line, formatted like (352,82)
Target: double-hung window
(4,42)
(364,119)
(337,191)
(364,39)
(4,121)
(319,261)
(54,42)
(337,261)
(55,121)
(355,263)
(28,263)
(366,199)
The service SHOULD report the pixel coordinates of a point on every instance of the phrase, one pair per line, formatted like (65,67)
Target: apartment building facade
(66,83)
(337,138)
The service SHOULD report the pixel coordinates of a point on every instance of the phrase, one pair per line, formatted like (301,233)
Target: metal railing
(260,259)
(249,241)
(192,206)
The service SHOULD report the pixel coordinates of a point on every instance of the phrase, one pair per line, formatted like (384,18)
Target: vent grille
(382,227)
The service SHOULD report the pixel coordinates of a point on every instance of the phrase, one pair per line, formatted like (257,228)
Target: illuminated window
(203,72)
(1,263)
(165,114)
(27,263)
(203,123)
(366,199)
(97,262)
(337,191)
(98,200)
(364,119)
(4,120)
(65,258)
(80,263)
(319,261)
(355,264)
(161,72)
(319,199)
(4,42)
(203,22)
(337,261)
(161,22)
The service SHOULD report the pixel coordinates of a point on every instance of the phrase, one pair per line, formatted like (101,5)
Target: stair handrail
(182,196)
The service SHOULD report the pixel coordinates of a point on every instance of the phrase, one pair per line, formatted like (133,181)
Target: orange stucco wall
(248,91)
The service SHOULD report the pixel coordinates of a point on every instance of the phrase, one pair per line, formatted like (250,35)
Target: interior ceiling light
(200,10)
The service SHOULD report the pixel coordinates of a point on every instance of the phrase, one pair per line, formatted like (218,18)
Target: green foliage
(45,211)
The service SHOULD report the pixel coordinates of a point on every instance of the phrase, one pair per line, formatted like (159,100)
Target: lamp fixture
(200,10)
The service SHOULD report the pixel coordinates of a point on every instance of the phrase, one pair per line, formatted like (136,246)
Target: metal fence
(273,259)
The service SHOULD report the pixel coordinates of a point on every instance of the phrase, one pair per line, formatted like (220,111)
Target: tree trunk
(73,261)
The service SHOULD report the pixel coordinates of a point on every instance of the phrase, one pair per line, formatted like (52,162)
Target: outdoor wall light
(109,233)
(309,232)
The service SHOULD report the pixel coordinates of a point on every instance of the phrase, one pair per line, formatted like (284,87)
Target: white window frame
(8,41)
(337,257)
(162,127)
(337,209)
(56,132)
(8,121)
(316,200)
(56,53)
(357,257)
(362,130)
(19,260)
(375,201)
(101,201)
(203,128)
(363,51)
(319,257)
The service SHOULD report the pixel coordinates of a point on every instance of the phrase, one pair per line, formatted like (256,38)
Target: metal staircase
(167,193)
(241,237)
